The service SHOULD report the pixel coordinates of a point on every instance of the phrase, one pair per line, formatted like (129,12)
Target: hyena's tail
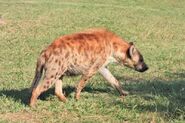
(38,73)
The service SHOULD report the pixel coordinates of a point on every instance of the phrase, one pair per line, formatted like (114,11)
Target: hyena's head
(134,59)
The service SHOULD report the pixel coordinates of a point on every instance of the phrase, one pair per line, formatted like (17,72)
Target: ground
(157,27)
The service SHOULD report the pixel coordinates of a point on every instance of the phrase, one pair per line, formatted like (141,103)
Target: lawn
(157,27)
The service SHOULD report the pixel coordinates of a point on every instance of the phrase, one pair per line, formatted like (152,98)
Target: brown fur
(82,53)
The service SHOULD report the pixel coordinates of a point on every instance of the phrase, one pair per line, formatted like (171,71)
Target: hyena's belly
(74,70)
(78,68)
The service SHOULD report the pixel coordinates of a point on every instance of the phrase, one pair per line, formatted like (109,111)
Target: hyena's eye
(141,60)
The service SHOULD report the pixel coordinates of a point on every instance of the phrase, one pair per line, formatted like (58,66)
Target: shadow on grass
(23,95)
(166,97)
(153,91)
(17,95)
(71,89)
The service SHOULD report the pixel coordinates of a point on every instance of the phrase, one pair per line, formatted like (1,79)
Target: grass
(156,27)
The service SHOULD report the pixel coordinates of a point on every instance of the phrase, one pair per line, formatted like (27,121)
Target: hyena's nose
(142,67)
(145,68)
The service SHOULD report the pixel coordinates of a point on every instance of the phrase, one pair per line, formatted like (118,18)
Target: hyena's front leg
(112,80)
(89,73)
(84,80)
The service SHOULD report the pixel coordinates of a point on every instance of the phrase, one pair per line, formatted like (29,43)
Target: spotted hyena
(83,53)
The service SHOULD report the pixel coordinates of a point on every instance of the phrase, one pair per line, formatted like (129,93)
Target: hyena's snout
(141,67)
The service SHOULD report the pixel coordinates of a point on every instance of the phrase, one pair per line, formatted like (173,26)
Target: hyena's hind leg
(50,78)
(58,90)
(40,88)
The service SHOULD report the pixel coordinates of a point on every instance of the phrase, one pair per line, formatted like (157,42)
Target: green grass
(157,27)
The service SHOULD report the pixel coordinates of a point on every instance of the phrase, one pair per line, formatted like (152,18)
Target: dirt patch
(25,117)
(2,22)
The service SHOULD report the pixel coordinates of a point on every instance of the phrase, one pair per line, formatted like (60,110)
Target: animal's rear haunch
(83,53)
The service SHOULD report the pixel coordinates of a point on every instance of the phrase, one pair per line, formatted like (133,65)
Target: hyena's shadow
(20,95)
(68,90)
(23,95)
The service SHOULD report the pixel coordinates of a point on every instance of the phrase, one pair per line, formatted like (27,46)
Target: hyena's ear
(131,51)
(131,43)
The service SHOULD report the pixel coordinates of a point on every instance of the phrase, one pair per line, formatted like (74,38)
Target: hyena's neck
(120,47)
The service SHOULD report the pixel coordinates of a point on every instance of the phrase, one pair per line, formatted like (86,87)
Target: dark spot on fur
(59,63)
(80,48)
(67,38)
(67,54)
(56,60)
(98,50)
(53,69)
(46,86)
(56,52)
(62,68)
(72,47)
(50,60)
(52,76)
(75,63)
(116,47)
(86,54)
(68,44)
(63,46)
(78,37)
(97,67)
(91,48)
(114,43)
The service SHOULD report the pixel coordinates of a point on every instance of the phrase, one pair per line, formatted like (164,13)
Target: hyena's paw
(33,98)
(77,96)
(124,93)
(32,103)
(61,97)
